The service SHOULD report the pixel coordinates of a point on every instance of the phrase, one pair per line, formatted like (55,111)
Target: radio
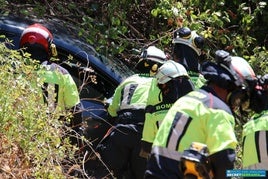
(194,162)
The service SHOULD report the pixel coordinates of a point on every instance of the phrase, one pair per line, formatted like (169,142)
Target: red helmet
(37,39)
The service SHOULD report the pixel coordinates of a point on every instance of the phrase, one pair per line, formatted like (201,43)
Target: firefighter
(255,131)
(60,92)
(204,116)
(170,83)
(187,50)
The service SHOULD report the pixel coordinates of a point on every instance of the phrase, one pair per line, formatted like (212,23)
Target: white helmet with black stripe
(150,60)
(170,70)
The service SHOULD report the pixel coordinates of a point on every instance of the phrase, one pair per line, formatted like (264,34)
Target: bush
(31,141)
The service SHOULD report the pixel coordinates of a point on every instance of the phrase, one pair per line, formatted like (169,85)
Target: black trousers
(120,151)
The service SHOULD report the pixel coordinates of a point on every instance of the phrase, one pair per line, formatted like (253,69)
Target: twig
(84,158)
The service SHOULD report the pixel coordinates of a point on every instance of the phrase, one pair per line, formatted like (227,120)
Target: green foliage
(259,60)
(109,35)
(115,28)
(224,24)
(27,131)
(238,161)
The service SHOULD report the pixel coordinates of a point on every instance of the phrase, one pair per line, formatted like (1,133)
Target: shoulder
(258,122)
(212,101)
(206,98)
(198,80)
(136,79)
(55,67)
(59,68)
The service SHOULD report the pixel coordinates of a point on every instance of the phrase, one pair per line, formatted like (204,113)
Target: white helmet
(189,38)
(169,70)
(150,60)
(154,54)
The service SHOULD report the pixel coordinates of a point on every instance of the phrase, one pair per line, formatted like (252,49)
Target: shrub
(31,141)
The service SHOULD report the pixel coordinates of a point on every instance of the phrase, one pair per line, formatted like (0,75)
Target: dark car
(96,76)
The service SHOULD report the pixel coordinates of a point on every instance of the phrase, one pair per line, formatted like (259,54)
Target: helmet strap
(153,69)
(53,49)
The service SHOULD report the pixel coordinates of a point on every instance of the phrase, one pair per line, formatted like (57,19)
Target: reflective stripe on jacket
(197,117)
(255,142)
(155,112)
(131,94)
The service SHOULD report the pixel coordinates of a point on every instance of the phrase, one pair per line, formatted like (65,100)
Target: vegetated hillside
(117,29)
(92,19)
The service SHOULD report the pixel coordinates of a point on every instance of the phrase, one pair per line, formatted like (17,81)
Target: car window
(91,83)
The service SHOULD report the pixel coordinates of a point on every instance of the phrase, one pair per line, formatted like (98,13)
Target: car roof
(66,37)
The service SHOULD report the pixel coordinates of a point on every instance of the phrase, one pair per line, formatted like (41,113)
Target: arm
(222,143)
(114,106)
(222,161)
(71,95)
(148,135)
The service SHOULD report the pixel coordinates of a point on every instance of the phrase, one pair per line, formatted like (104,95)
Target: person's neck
(220,92)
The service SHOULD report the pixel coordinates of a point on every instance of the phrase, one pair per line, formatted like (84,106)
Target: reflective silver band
(165,152)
